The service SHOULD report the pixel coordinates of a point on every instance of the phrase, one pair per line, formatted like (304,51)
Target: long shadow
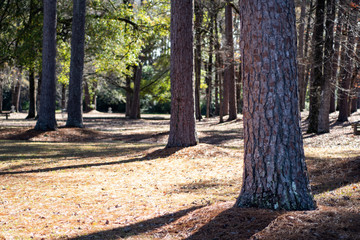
(220,137)
(137,228)
(328,176)
(236,223)
(151,156)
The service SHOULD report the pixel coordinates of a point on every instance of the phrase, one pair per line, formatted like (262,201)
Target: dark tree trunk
(346,70)
(63,97)
(300,53)
(16,89)
(323,124)
(1,94)
(47,120)
(217,66)
(75,108)
(182,121)
(209,77)
(197,62)
(229,70)
(238,91)
(32,93)
(318,77)
(135,103)
(275,174)
(128,96)
(38,96)
(87,97)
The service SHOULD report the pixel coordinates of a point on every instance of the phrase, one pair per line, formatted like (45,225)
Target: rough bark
(75,103)
(317,76)
(182,120)
(229,70)
(32,93)
(209,77)
(275,174)
(198,27)
(323,122)
(47,120)
(135,103)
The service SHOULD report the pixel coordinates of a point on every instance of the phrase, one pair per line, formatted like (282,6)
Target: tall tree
(275,174)
(323,122)
(317,77)
(47,120)
(182,120)
(197,61)
(75,111)
(300,53)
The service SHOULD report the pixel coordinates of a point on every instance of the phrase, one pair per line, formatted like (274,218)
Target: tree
(197,61)
(182,120)
(229,76)
(47,120)
(74,109)
(275,174)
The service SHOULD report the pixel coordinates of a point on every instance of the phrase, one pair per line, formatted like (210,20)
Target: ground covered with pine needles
(114,180)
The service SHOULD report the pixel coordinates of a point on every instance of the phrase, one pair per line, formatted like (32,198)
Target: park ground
(114,179)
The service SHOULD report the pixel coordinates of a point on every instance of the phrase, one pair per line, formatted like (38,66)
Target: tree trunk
(87,97)
(38,96)
(75,106)
(217,67)
(229,70)
(32,93)
(135,103)
(275,174)
(323,122)
(335,62)
(182,120)
(209,77)
(318,77)
(346,70)
(1,94)
(300,52)
(47,120)
(16,89)
(63,96)
(197,62)
(128,97)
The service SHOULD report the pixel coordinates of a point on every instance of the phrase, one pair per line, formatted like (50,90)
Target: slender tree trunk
(300,52)
(75,107)
(318,77)
(32,93)
(63,96)
(135,103)
(323,122)
(238,91)
(38,96)
(1,94)
(209,68)
(346,72)
(217,66)
(128,96)
(47,120)
(306,57)
(18,91)
(87,97)
(275,174)
(182,120)
(335,62)
(198,27)
(229,70)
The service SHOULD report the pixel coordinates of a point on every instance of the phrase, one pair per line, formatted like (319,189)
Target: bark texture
(275,174)
(198,27)
(32,93)
(182,120)
(47,120)
(75,107)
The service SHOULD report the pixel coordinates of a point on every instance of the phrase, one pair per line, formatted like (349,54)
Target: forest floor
(114,179)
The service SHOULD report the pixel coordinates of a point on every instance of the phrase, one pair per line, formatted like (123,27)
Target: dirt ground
(69,186)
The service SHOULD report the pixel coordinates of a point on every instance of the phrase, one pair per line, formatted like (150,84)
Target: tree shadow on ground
(137,228)
(160,153)
(220,137)
(330,174)
(236,223)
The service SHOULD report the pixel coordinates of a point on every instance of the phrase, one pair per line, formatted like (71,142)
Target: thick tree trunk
(135,103)
(47,120)
(318,77)
(323,122)
(346,70)
(275,174)
(197,62)
(75,103)
(182,120)
(32,93)
(229,70)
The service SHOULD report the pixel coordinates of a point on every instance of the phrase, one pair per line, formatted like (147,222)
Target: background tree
(274,164)
(47,119)
(75,109)
(182,121)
